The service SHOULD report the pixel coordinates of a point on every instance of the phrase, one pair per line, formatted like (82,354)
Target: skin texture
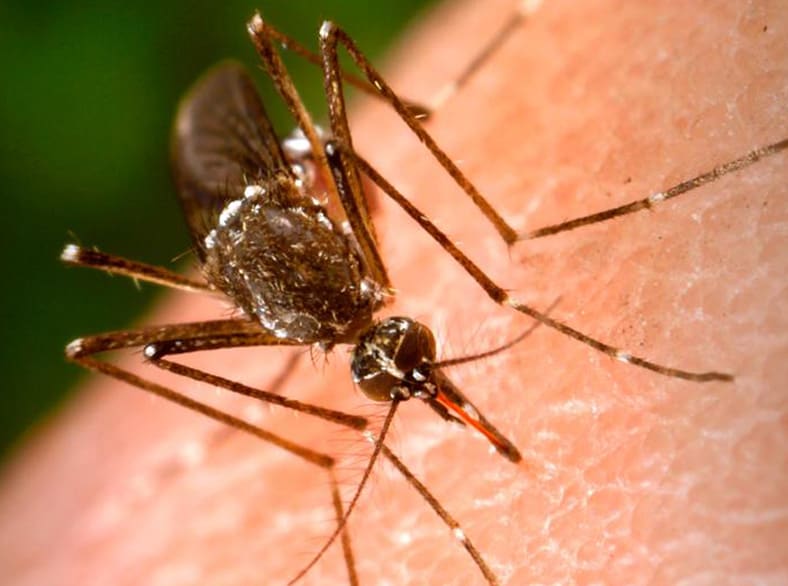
(629,477)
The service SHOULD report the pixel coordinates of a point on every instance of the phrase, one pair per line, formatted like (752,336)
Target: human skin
(629,477)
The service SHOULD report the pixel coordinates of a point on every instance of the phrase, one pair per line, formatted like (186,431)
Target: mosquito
(301,275)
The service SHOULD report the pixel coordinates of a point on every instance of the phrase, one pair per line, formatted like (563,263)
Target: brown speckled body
(284,262)
(262,237)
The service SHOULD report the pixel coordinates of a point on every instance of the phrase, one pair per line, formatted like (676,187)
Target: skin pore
(629,477)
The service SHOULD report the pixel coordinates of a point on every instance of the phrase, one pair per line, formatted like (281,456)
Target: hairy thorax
(288,265)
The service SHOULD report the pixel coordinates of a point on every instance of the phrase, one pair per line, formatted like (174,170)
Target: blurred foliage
(86,100)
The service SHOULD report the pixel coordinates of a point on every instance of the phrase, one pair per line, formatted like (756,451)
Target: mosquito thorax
(393,359)
(282,260)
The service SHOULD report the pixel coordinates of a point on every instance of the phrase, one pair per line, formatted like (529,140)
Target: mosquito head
(394,359)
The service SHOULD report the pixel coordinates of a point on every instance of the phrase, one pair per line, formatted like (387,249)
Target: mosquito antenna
(487,353)
(341,523)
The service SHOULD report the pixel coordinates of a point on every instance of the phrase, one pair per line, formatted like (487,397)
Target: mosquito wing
(222,141)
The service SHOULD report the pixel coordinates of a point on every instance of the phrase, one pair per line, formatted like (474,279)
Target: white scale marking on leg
(623,356)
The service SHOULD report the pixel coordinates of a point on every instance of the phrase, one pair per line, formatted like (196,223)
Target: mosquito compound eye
(394,353)
(415,352)
(379,385)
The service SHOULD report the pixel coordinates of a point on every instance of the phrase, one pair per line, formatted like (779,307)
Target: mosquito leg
(222,433)
(116,265)
(182,338)
(106,368)
(353,501)
(290,44)
(347,547)
(313,457)
(339,417)
(330,36)
(349,190)
(262,40)
(346,180)
(171,333)
(487,353)
(445,516)
(500,296)
(381,448)
(419,111)
(160,341)
(656,198)
(353,201)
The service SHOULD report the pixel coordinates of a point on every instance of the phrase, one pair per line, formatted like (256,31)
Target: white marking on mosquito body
(296,146)
(657,197)
(623,356)
(284,222)
(390,367)
(367,286)
(71,253)
(459,535)
(324,221)
(281,333)
(253,191)
(256,25)
(74,347)
(229,212)
(369,436)
(149,351)
(210,240)
(474,432)
(326,28)
(471,411)
(400,393)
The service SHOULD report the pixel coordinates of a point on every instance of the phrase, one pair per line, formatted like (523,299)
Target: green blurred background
(87,93)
